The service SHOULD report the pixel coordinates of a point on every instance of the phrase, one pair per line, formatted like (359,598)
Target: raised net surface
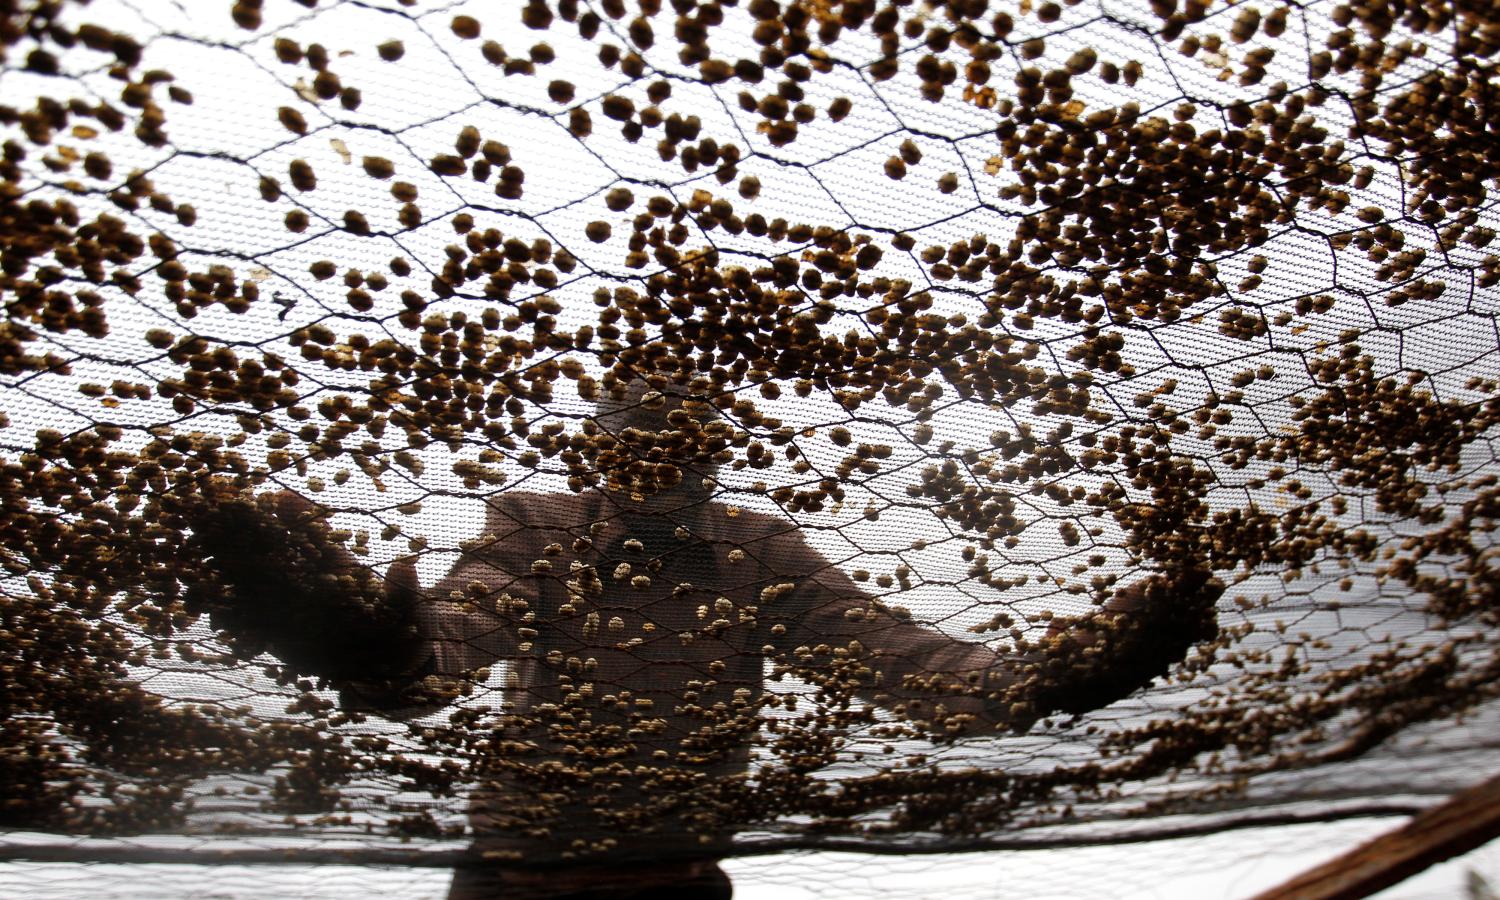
(338,524)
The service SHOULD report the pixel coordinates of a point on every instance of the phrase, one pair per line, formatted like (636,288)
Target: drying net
(501,434)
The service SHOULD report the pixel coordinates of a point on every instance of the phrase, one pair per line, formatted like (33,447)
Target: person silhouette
(636,625)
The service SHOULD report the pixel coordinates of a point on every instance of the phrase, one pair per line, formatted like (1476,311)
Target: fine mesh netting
(489,435)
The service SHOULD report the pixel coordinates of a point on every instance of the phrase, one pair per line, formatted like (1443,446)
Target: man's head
(655,446)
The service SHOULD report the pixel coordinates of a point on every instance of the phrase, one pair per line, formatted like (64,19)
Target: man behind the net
(635,625)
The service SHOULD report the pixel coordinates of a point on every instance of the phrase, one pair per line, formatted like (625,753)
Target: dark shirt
(642,664)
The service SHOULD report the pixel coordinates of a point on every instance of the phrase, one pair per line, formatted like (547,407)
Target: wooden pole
(1467,820)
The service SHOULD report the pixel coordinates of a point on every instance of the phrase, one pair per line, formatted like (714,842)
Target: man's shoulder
(724,522)
(512,510)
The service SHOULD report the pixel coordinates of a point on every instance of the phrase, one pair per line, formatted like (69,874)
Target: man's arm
(1087,662)
(288,588)
(920,672)
(1084,662)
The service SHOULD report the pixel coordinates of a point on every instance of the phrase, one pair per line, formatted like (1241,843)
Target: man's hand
(1088,662)
(289,588)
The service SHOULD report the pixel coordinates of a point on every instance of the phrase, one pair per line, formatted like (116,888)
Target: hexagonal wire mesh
(504,435)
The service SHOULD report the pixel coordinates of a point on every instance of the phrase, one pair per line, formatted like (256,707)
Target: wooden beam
(1466,821)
